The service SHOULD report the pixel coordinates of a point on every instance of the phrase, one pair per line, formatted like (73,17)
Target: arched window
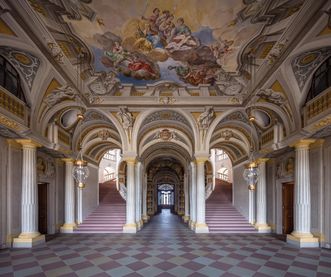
(10,79)
(221,155)
(321,80)
(223,174)
(108,173)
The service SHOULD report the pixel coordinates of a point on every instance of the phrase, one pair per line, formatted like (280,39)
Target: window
(221,155)
(110,156)
(10,80)
(321,80)
(108,174)
(223,174)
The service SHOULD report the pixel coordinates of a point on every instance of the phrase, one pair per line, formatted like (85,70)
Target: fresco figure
(181,38)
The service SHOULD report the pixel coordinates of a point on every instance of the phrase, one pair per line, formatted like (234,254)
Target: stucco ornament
(127,120)
(59,94)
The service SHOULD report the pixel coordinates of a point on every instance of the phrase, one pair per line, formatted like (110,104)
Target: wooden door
(288,198)
(42,208)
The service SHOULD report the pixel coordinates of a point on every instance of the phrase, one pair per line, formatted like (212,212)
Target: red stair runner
(221,215)
(109,216)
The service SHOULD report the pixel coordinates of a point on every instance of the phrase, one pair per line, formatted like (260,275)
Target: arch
(138,126)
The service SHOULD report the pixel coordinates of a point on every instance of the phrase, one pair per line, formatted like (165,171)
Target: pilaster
(201,226)
(261,199)
(69,199)
(30,235)
(301,236)
(130,225)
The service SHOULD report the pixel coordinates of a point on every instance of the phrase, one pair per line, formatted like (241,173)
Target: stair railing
(209,190)
(122,191)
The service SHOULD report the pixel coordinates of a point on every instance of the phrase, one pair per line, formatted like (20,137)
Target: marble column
(193,204)
(201,226)
(138,191)
(130,225)
(79,219)
(251,206)
(186,216)
(29,214)
(69,199)
(145,217)
(261,199)
(301,235)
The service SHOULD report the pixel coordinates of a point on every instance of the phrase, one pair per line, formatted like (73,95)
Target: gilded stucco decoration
(24,62)
(304,64)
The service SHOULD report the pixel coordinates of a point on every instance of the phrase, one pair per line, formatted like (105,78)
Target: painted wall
(240,191)
(91,192)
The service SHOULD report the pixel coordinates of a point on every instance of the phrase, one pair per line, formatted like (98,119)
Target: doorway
(166,196)
(287,207)
(42,207)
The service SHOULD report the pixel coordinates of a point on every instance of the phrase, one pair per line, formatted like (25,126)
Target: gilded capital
(68,160)
(303,143)
(262,160)
(201,159)
(28,143)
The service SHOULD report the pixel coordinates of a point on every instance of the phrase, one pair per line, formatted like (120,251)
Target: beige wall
(240,190)
(91,192)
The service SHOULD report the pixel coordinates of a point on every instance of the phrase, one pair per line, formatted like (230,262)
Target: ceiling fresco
(189,43)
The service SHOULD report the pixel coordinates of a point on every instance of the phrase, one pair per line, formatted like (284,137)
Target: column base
(145,218)
(201,228)
(263,228)
(130,228)
(28,240)
(302,240)
(68,228)
(186,218)
(139,224)
(192,225)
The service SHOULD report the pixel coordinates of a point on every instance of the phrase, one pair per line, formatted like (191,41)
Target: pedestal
(28,240)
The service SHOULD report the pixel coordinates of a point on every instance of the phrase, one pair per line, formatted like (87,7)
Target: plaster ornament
(126,118)
(56,52)
(59,94)
(104,84)
(167,100)
(104,134)
(276,51)
(45,168)
(272,96)
(227,134)
(206,118)
(166,135)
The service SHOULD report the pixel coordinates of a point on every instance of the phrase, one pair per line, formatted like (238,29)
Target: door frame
(47,204)
(284,185)
(279,202)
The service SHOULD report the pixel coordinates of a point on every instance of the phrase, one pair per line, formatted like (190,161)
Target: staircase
(109,216)
(221,215)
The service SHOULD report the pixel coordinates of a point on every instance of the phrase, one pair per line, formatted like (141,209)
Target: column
(29,217)
(186,216)
(138,195)
(301,236)
(261,199)
(193,207)
(201,226)
(69,199)
(251,206)
(130,225)
(145,217)
(79,219)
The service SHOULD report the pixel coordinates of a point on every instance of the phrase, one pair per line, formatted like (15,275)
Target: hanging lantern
(80,172)
(251,174)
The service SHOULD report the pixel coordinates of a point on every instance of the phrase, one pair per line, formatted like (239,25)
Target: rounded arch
(142,116)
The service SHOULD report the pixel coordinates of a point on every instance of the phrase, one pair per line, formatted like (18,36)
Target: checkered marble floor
(165,247)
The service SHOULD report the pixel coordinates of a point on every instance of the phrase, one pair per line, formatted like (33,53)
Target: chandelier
(80,171)
(251,172)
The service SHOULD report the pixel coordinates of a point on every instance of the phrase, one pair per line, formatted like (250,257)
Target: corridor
(165,247)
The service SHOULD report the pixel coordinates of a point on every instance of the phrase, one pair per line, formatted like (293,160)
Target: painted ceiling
(185,42)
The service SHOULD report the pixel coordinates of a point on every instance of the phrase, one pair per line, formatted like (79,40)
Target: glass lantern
(251,174)
(80,172)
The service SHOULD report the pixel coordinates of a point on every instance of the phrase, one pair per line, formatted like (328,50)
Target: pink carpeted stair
(109,216)
(221,215)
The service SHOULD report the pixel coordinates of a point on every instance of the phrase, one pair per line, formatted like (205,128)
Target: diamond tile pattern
(165,247)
